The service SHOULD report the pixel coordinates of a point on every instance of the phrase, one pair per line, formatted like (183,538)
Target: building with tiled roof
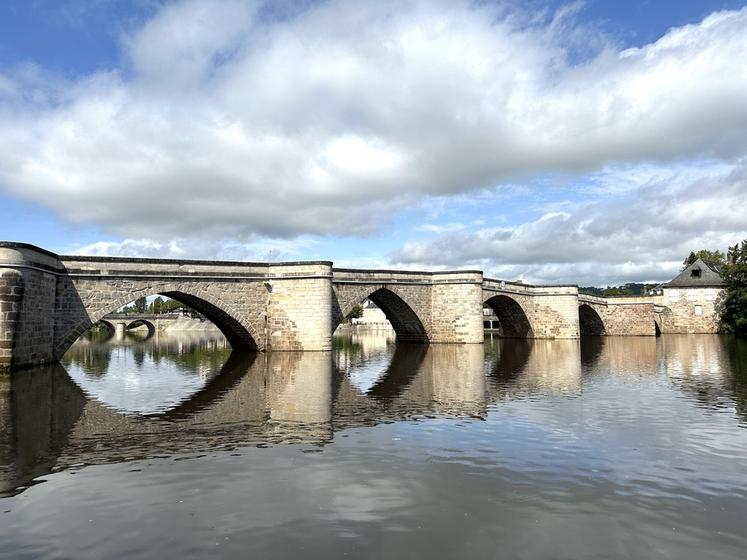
(700,274)
(689,299)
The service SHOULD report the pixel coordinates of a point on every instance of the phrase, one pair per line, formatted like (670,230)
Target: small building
(689,299)
(373,318)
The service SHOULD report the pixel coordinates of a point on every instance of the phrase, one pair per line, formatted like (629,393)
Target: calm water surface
(175,447)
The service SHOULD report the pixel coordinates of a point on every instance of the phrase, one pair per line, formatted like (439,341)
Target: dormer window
(695,273)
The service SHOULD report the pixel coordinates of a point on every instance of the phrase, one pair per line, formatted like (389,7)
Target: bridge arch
(241,335)
(590,322)
(148,325)
(396,305)
(110,329)
(513,321)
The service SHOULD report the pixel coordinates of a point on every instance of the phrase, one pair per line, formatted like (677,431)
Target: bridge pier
(27,305)
(119,330)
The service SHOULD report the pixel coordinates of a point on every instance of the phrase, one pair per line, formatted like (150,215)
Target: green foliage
(629,289)
(733,304)
(706,254)
(158,306)
(617,291)
(356,313)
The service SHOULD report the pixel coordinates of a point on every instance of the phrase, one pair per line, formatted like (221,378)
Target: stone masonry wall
(680,315)
(299,310)
(554,316)
(456,304)
(11,295)
(27,301)
(630,319)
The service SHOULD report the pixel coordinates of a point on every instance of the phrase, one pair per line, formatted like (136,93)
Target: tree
(707,255)
(140,305)
(617,291)
(733,304)
(355,313)
(157,305)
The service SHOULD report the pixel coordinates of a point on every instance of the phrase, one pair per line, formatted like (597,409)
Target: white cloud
(441,228)
(329,120)
(258,249)
(641,237)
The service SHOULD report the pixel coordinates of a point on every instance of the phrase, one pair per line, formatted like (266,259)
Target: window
(674,296)
(692,295)
(698,310)
(710,294)
(695,273)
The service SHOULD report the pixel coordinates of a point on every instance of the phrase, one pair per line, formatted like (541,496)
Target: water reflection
(117,400)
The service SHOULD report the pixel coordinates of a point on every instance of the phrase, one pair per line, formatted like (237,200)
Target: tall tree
(355,313)
(140,305)
(705,254)
(733,304)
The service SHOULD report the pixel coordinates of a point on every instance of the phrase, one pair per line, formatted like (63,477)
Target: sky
(593,142)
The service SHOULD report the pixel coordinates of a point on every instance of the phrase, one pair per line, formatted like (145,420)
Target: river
(175,447)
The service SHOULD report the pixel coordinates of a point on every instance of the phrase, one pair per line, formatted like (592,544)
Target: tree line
(158,306)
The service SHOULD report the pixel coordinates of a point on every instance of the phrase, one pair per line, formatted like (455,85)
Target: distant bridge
(47,301)
(118,323)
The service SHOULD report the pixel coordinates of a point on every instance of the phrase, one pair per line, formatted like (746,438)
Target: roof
(697,275)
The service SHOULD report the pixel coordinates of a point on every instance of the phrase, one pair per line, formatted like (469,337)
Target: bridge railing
(528,289)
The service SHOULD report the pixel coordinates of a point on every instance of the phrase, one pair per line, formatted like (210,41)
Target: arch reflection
(249,399)
(47,422)
(538,366)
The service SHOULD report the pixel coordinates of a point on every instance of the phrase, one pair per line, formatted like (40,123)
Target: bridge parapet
(528,289)
(363,276)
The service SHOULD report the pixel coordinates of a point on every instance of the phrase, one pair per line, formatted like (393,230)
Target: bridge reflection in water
(62,416)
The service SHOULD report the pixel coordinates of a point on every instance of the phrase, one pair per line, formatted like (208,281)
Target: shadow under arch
(109,327)
(144,322)
(404,367)
(42,407)
(511,360)
(512,319)
(240,336)
(589,321)
(591,351)
(233,371)
(406,324)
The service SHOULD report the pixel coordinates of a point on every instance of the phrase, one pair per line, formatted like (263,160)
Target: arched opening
(589,321)
(404,321)
(102,331)
(239,335)
(512,320)
(143,327)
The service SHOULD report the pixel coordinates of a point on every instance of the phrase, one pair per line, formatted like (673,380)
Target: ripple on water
(544,448)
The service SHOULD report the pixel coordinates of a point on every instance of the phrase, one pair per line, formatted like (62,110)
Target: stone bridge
(118,323)
(47,301)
